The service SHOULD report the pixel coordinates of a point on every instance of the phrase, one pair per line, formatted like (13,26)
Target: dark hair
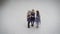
(37,13)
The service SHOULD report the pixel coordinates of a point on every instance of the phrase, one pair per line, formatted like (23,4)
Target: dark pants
(32,21)
(29,21)
(28,24)
(32,24)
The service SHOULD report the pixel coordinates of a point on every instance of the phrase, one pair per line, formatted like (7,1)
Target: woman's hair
(37,13)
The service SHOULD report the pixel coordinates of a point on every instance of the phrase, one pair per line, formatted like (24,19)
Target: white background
(13,17)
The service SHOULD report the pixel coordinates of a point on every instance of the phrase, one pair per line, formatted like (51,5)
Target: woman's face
(33,10)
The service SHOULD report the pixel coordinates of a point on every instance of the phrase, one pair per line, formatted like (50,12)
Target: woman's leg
(32,23)
(28,24)
(37,24)
(33,19)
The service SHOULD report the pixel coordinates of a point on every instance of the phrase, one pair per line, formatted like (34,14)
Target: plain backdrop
(13,16)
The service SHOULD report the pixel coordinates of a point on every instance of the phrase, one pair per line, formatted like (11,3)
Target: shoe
(32,25)
(28,27)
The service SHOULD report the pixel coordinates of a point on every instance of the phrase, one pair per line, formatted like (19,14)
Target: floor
(14,14)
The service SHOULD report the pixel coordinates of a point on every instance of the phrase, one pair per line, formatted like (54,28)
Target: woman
(32,17)
(37,18)
(29,18)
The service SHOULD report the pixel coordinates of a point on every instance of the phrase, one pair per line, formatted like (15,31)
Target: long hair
(37,13)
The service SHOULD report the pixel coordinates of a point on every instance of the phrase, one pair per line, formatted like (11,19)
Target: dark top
(33,14)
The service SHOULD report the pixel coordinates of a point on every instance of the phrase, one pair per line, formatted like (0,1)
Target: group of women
(33,17)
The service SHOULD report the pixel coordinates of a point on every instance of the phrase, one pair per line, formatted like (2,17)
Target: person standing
(37,18)
(29,18)
(32,17)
